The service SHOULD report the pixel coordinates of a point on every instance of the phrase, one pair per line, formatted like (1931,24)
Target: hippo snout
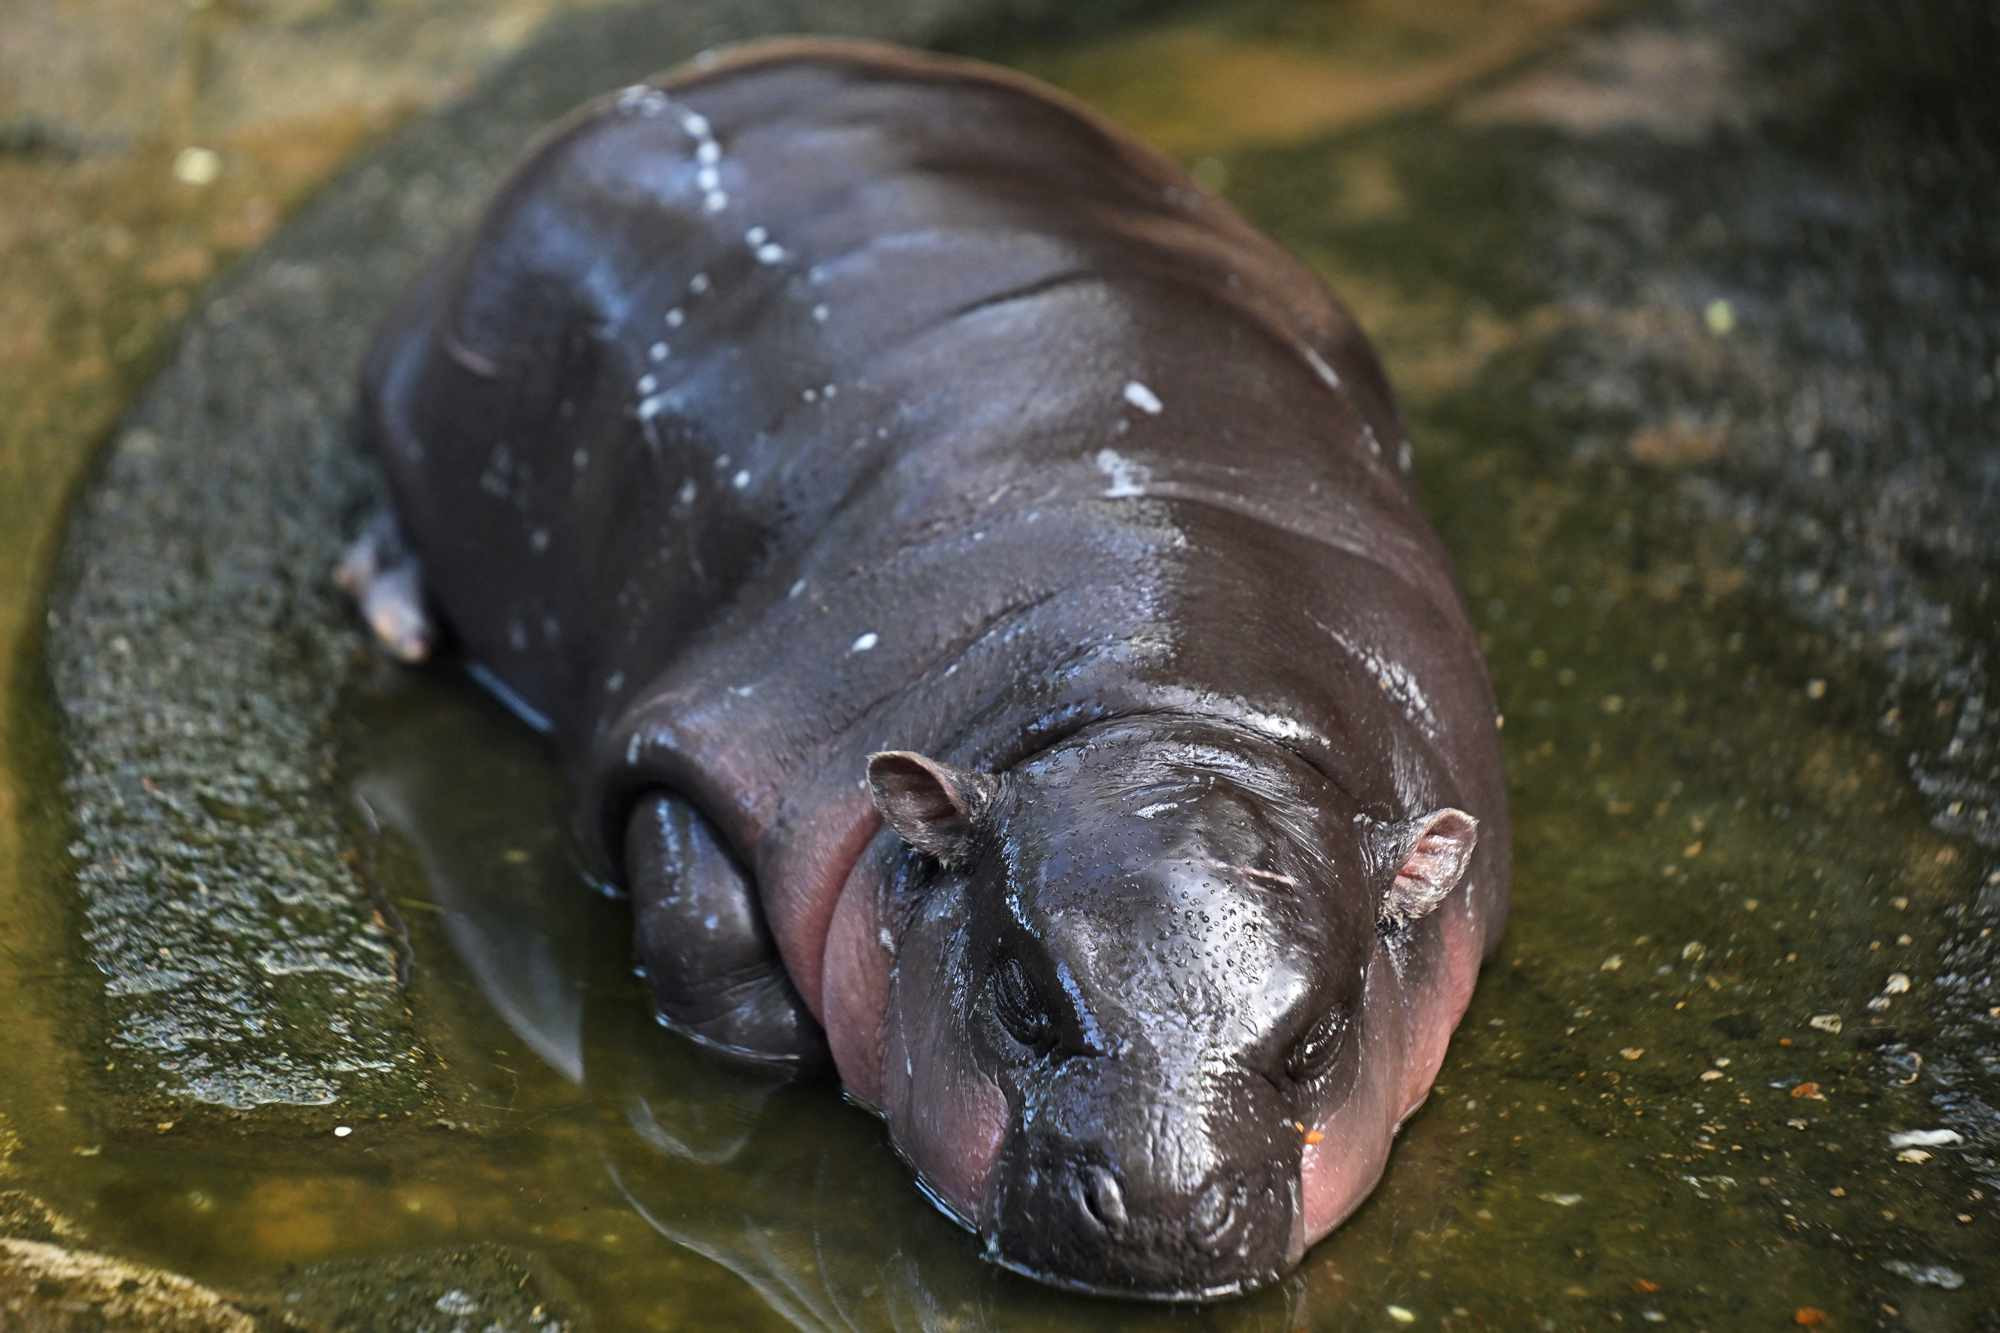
(1070,1215)
(1216,1219)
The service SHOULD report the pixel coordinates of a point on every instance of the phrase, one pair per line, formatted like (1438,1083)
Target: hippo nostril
(1098,1191)
(1214,1219)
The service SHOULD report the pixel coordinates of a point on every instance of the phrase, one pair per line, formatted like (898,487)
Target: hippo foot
(380,573)
(714,970)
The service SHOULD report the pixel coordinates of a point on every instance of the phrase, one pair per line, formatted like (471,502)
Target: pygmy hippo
(974,583)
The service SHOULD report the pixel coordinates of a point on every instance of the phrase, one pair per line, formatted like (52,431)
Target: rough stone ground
(1824,194)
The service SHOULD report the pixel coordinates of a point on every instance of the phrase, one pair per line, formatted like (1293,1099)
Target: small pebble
(456,1302)
(1926,1275)
(197,166)
(342,1131)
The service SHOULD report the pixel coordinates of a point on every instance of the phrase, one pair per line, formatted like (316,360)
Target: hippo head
(1127,993)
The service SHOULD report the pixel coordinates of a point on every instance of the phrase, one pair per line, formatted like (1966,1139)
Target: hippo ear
(1433,852)
(931,805)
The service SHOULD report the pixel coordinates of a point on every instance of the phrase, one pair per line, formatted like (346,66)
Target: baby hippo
(973,582)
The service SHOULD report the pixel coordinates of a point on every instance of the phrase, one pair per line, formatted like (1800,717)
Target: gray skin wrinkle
(829,401)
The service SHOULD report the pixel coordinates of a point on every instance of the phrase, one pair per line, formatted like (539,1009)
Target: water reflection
(795,1194)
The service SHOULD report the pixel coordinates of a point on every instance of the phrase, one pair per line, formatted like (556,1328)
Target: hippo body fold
(824,400)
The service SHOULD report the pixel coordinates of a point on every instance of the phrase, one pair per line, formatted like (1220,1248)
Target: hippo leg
(382,575)
(714,971)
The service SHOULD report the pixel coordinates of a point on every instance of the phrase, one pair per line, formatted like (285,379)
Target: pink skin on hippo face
(1134,976)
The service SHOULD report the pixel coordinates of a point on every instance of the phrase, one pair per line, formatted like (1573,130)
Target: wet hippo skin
(973,582)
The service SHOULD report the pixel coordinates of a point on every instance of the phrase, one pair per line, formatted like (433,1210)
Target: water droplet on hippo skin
(1143,398)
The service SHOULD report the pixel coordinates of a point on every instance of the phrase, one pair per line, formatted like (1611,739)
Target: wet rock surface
(52,1281)
(1839,247)
(47,1288)
(481,1287)
(1820,221)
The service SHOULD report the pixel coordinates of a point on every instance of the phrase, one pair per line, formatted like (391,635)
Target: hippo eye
(1019,1008)
(1313,1054)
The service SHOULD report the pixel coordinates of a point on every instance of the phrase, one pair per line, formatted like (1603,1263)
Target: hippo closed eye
(973,581)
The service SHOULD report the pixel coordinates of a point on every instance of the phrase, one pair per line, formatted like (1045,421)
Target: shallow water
(1672,1099)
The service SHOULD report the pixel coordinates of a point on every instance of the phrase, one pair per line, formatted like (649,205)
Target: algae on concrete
(47,1288)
